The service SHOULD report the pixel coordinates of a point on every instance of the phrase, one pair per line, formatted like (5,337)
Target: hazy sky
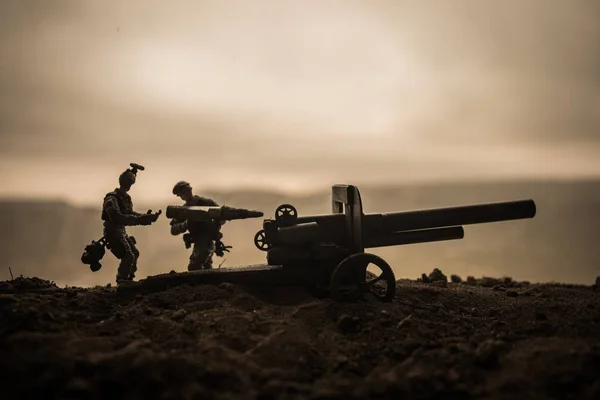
(294,94)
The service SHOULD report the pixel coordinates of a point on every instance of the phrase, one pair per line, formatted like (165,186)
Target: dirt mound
(227,341)
(22,284)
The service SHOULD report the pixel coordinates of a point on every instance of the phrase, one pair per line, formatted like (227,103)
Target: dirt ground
(485,339)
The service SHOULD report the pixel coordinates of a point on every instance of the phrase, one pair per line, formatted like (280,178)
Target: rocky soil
(440,338)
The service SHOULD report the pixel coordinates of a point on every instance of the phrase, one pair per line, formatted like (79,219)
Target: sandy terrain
(486,339)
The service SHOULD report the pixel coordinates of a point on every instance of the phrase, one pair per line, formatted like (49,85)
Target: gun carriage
(328,251)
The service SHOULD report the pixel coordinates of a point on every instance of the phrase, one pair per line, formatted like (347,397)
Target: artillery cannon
(328,251)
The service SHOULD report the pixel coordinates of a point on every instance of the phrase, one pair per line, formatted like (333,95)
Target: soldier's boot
(194,264)
(194,267)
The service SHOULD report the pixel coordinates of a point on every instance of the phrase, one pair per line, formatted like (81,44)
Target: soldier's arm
(116,216)
(178,227)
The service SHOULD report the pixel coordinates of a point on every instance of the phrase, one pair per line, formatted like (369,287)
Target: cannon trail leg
(351,279)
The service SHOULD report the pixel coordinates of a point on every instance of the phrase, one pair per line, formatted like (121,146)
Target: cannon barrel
(207,213)
(299,234)
(451,216)
(412,237)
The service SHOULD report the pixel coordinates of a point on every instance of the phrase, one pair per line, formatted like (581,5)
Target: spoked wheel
(286,213)
(260,240)
(351,279)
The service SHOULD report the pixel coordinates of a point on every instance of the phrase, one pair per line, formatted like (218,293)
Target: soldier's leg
(195,258)
(122,250)
(136,255)
(210,250)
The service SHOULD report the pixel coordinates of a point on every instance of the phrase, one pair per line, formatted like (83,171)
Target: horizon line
(312,192)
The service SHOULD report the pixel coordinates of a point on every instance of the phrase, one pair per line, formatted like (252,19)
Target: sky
(294,96)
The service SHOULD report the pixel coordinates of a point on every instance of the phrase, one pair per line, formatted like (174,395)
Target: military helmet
(180,187)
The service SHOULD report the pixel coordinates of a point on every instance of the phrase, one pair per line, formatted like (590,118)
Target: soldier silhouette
(117,213)
(202,234)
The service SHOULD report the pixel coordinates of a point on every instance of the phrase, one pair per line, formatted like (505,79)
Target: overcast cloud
(291,94)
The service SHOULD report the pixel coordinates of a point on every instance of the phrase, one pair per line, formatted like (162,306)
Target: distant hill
(46,239)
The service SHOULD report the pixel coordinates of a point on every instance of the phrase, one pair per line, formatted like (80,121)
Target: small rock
(471,281)
(385,313)
(440,284)
(499,288)
(346,323)
(226,286)
(598,282)
(425,278)
(179,314)
(437,275)
(487,281)
(139,297)
(455,279)
(512,293)
(109,285)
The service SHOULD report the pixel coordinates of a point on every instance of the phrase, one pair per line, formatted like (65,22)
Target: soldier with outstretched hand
(117,213)
(204,235)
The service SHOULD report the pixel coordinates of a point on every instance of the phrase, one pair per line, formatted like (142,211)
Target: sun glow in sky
(294,95)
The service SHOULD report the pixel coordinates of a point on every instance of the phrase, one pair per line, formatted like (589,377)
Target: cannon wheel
(286,213)
(260,240)
(350,280)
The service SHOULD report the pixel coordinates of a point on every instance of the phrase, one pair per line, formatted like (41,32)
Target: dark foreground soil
(496,341)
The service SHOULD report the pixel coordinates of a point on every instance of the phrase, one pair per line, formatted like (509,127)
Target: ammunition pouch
(93,253)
